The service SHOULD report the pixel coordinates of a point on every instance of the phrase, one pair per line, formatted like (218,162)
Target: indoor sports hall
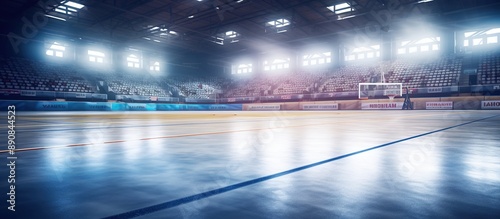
(284,164)
(249,109)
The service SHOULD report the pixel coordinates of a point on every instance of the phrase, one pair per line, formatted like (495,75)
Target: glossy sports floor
(343,164)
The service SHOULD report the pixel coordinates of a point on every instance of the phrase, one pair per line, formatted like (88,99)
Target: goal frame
(379,83)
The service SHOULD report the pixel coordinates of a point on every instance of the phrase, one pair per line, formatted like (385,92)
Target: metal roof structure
(228,27)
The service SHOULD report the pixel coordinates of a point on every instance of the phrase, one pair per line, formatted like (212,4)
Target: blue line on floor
(188,199)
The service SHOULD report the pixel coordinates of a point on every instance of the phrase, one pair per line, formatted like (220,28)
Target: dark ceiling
(198,23)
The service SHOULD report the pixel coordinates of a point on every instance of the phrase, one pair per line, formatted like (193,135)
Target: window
(364,52)
(350,58)
(155,66)
(56,50)
(133,61)
(425,44)
(278,63)
(316,58)
(491,40)
(481,37)
(477,41)
(96,56)
(241,68)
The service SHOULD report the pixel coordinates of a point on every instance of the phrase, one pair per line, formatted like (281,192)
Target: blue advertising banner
(20,105)
(105,106)
(167,107)
(51,106)
(223,107)
(90,106)
(141,106)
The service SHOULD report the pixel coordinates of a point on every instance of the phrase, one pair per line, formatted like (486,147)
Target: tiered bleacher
(426,73)
(346,79)
(197,87)
(299,82)
(489,69)
(23,74)
(259,85)
(132,83)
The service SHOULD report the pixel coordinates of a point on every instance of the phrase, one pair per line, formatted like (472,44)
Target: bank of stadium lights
(73,4)
(341,8)
(218,40)
(424,1)
(66,8)
(162,30)
(55,17)
(159,31)
(228,36)
(280,25)
(231,34)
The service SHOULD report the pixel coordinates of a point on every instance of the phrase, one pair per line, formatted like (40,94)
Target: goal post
(380,90)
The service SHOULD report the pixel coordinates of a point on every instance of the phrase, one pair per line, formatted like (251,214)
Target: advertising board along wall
(332,106)
(382,106)
(490,104)
(447,105)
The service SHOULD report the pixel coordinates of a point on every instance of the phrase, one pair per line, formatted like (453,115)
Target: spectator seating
(425,73)
(23,74)
(489,69)
(346,78)
(299,82)
(197,87)
(134,83)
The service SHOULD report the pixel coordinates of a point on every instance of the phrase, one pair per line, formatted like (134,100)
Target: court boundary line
(203,195)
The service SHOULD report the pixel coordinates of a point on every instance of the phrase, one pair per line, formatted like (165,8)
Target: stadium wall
(455,103)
